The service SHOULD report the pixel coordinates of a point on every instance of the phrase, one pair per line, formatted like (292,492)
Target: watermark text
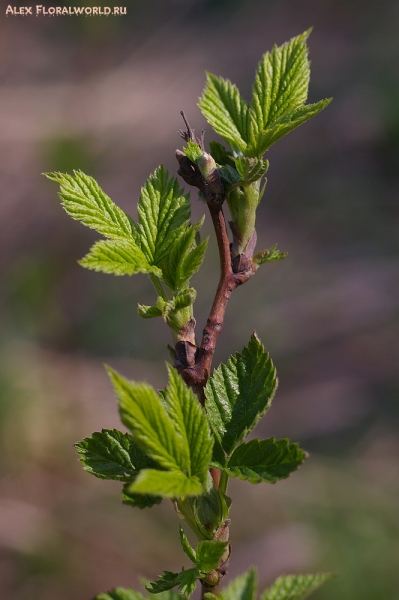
(61,11)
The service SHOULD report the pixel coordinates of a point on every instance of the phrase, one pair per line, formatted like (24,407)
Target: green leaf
(251,169)
(187,548)
(111,454)
(166,595)
(172,429)
(163,209)
(186,580)
(267,460)
(120,593)
(118,257)
(285,124)
(168,484)
(209,554)
(184,259)
(295,587)
(164,308)
(241,588)
(281,82)
(239,394)
(143,413)
(84,200)
(191,423)
(139,500)
(269,255)
(193,151)
(166,581)
(225,110)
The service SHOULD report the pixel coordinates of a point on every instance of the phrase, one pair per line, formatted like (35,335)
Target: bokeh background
(104,95)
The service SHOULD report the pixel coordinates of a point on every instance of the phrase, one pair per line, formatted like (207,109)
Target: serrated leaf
(168,484)
(143,413)
(119,257)
(225,110)
(84,201)
(139,500)
(166,595)
(187,548)
(241,588)
(166,581)
(120,593)
(184,259)
(285,124)
(191,423)
(269,255)
(111,454)
(239,393)
(209,554)
(149,312)
(163,209)
(281,82)
(267,460)
(186,580)
(295,587)
(251,169)
(193,151)
(172,429)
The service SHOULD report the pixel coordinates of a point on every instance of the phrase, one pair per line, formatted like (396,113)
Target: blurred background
(104,95)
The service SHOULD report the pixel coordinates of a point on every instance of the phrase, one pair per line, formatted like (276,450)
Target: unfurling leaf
(269,255)
(120,593)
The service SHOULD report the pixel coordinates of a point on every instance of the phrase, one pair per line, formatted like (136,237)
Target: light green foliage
(267,460)
(241,588)
(295,587)
(163,211)
(184,259)
(278,101)
(174,441)
(225,110)
(173,430)
(118,258)
(84,200)
(239,394)
(163,244)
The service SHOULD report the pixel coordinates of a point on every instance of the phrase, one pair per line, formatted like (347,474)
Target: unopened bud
(210,173)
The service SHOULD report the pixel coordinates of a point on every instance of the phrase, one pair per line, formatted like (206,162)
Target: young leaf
(120,593)
(143,413)
(281,82)
(118,257)
(269,255)
(267,460)
(239,393)
(225,110)
(295,587)
(187,548)
(84,200)
(163,209)
(241,588)
(285,124)
(221,155)
(184,259)
(111,454)
(251,169)
(139,500)
(168,484)
(191,423)
(173,430)
(209,554)
(186,580)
